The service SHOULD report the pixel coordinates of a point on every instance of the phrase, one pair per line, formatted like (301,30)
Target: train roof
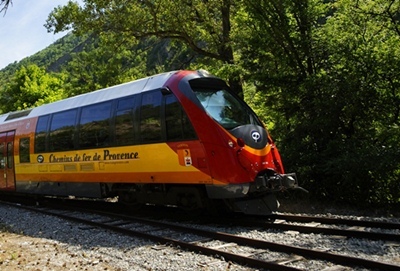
(110,93)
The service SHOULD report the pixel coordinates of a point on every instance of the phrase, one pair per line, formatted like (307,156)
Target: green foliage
(202,26)
(324,76)
(102,62)
(363,71)
(328,72)
(30,87)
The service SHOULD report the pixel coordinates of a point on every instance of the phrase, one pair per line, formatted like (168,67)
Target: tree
(5,4)
(31,86)
(101,63)
(329,74)
(364,70)
(203,26)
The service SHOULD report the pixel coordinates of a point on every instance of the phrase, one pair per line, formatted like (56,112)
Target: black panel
(94,126)
(253,135)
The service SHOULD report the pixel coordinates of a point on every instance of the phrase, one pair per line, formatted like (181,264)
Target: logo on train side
(107,155)
(40,158)
(256,136)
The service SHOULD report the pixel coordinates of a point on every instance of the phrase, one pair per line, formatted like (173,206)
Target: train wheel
(129,199)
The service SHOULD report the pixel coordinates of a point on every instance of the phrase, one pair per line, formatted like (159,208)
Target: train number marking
(185,158)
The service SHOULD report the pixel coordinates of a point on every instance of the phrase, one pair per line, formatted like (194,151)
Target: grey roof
(110,93)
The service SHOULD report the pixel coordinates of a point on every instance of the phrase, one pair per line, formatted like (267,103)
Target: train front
(242,159)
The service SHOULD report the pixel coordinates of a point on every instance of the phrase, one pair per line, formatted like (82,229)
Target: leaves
(31,87)
(202,26)
(323,75)
(328,73)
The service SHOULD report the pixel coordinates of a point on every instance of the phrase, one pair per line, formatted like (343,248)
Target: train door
(7,177)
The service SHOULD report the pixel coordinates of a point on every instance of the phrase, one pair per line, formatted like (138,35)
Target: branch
(6,4)
(178,35)
(386,13)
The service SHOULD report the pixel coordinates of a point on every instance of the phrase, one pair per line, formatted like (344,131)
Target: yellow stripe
(156,163)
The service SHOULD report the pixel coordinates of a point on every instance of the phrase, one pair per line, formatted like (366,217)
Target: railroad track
(318,225)
(200,240)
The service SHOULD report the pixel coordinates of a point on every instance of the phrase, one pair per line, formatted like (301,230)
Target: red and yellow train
(179,138)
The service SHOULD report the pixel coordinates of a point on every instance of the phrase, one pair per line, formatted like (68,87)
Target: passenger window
(40,135)
(10,155)
(124,122)
(24,145)
(150,117)
(94,128)
(62,130)
(2,158)
(176,121)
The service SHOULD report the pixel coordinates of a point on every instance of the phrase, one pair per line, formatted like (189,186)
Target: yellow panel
(87,167)
(70,167)
(56,168)
(152,163)
(42,168)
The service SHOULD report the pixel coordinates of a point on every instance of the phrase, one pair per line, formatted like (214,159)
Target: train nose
(270,181)
(253,136)
(289,181)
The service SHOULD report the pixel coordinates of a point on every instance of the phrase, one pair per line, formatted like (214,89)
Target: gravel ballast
(31,241)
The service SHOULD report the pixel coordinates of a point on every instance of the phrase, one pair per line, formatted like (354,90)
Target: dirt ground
(19,252)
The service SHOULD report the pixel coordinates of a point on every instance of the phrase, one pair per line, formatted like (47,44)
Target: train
(180,138)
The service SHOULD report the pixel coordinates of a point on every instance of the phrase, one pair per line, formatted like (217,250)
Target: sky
(22,33)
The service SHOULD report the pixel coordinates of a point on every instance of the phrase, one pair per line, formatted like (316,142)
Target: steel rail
(344,221)
(337,258)
(341,232)
(244,260)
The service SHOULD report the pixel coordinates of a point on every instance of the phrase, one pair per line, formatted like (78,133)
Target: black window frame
(24,150)
(161,137)
(96,143)
(38,146)
(42,142)
(60,145)
(187,131)
(134,114)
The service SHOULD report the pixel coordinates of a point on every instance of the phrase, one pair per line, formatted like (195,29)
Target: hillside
(52,58)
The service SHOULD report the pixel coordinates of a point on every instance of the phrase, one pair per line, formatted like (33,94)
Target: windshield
(225,108)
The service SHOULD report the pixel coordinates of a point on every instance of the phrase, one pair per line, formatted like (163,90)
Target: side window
(124,121)
(2,158)
(3,153)
(177,123)
(62,130)
(94,126)
(40,135)
(10,155)
(150,117)
(24,145)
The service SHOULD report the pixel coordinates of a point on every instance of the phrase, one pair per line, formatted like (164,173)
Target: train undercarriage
(256,198)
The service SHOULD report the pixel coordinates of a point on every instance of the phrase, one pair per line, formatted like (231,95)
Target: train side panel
(153,163)
(81,172)
(178,138)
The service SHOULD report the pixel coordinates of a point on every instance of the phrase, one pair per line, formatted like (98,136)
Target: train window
(94,126)
(126,103)
(62,130)
(150,117)
(124,121)
(10,155)
(24,145)
(40,135)
(225,108)
(2,159)
(178,126)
